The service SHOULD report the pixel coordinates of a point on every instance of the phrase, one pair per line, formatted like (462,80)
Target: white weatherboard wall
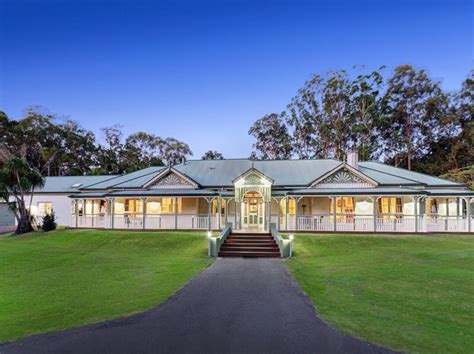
(61,205)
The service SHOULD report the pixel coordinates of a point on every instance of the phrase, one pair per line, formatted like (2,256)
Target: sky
(204,71)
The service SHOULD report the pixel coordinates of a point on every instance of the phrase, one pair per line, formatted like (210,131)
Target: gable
(344,177)
(171,179)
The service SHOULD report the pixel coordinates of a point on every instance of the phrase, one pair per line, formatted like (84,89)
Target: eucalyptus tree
(336,101)
(272,138)
(304,120)
(367,106)
(173,151)
(416,105)
(212,155)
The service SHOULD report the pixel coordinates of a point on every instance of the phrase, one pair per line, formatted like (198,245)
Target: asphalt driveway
(235,306)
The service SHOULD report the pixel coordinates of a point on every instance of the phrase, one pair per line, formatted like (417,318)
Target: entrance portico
(253,212)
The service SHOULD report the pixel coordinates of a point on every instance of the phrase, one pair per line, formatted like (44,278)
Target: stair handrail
(214,243)
(285,246)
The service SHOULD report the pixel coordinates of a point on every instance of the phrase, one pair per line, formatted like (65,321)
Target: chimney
(353,159)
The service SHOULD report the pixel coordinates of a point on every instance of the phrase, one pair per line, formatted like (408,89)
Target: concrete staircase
(249,245)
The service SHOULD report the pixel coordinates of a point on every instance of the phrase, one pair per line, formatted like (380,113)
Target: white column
(219,208)
(175,213)
(415,203)
(297,201)
(144,213)
(209,214)
(374,211)
(112,212)
(468,212)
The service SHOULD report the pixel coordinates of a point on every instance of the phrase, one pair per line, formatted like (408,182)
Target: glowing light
(291,237)
(209,234)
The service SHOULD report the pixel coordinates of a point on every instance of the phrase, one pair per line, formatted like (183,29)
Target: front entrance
(253,211)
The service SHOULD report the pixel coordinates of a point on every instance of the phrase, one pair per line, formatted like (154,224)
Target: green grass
(66,278)
(408,293)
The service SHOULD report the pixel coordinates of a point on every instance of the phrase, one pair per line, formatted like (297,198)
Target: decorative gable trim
(171,179)
(344,176)
(253,180)
(252,177)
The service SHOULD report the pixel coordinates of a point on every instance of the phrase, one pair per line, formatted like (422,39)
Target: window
(215,204)
(291,206)
(44,208)
(164,206)
(344,205)
(134,205)
(390,205)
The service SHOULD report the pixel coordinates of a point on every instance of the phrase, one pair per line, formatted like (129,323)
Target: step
(251,238)
(250,244)
(250,241)
(252,234)
(248,254)
(250,249)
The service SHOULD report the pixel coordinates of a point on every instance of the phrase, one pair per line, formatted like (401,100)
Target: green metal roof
(70,184)
(220,173)
(391,171)
(129,180)
(216,174)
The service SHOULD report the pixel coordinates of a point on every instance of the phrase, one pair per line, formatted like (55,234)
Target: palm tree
(17,180)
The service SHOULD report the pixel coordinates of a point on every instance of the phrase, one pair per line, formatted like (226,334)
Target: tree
(273,140)
(111,154)
(212,155)
(337,117)
(173,151)
(304,119)
(142,150)
(367,105)
(18,181)
(416,104)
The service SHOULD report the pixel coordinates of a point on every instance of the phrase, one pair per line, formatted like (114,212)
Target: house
(295,195)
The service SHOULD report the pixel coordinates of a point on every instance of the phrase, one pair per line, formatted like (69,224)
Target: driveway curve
(235,306)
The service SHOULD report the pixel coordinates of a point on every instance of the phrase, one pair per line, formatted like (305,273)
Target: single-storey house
(296,195)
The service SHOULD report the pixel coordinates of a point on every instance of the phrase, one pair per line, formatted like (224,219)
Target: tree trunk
(24,225)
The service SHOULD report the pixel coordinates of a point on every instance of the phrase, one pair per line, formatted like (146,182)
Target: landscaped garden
(67,278)
(408,293)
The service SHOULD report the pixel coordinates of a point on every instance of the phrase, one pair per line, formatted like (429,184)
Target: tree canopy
(405,119)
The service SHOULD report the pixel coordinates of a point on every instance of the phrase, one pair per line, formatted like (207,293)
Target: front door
(252,211)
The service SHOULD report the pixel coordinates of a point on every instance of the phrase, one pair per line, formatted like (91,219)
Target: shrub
(49,222)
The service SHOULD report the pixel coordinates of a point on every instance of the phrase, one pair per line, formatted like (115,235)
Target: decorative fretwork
(343,179)
(171,181)
(253,179)
(343,176)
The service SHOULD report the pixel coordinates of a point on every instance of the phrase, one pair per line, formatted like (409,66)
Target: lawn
(66,278)
(408,293)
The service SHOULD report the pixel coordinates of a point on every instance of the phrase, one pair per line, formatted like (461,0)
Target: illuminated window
(344,205)
(215,205)
(44,208)
(167,205)
(291,206)
(133,206)
(390,205)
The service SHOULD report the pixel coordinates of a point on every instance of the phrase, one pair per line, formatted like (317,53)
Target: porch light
(209,234)
(291,237)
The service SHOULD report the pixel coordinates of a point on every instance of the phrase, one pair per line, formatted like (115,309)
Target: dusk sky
(204,71)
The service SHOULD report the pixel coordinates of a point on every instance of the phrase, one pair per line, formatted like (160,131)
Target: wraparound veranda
(295,195)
